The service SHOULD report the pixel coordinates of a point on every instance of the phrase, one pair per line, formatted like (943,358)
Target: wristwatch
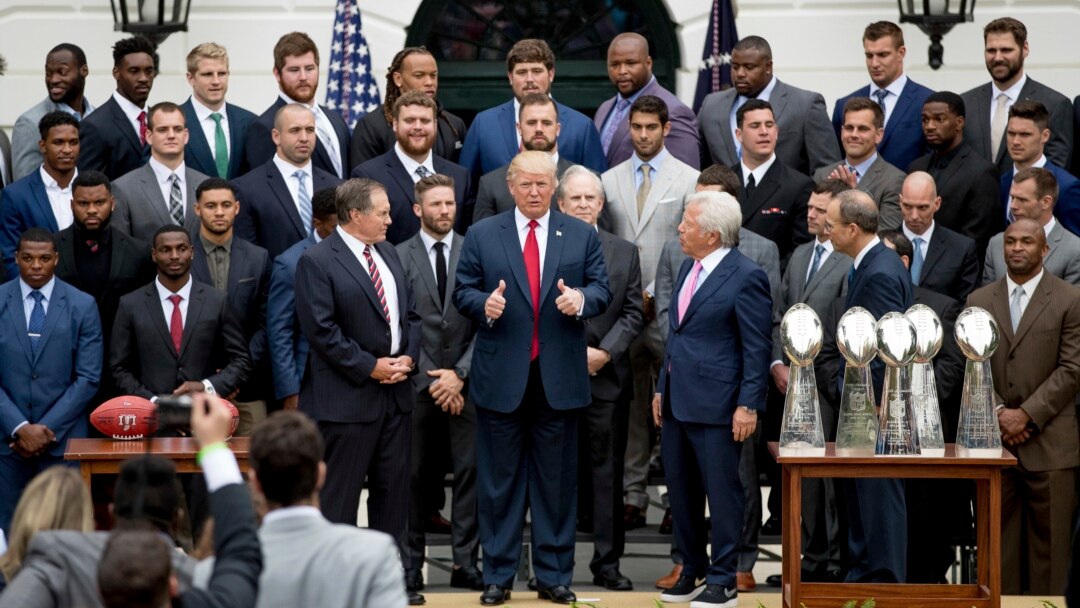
(461,373)
(748,410)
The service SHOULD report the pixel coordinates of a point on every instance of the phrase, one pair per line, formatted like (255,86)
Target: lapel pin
(558,233)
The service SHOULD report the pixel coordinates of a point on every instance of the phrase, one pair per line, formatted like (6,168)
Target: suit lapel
(351,264)
(237,127)
(195,309)
(716,278)
(798,267)
(624,184)
(190,219)
(553,255)
(198,146)
(159,207)
(17,317)
(1053,241)
(451,274)
(45,212)
(66,265)
(124,125)
(659,188)
(903,104)
(825,269)
(508,125)
(1038,303)
(934,250)
(401,178)
(281,191)
(724,117)
(56,309)
(118,256)
(422,262)
(979,111)
(514,255)
(157,317)
(386,250)
(762,194)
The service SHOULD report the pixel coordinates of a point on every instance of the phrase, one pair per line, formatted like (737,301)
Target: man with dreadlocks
(413,69)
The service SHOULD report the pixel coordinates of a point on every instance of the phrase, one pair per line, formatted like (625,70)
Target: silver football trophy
(898,433)
(978,433)
(801,433)
(929,336)
(857,428)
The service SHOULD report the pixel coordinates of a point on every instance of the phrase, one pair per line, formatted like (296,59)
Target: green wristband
(209,449)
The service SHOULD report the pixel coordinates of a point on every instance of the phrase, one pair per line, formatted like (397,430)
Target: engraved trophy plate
(898,430)
(928,340)
(857,427)
(801,432)
(978,434)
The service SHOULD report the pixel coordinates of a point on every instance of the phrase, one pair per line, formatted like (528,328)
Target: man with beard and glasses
(412,159)
(538,125)
(65,79)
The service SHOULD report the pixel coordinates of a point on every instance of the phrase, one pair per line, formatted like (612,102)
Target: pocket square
(773,211)
(247,280)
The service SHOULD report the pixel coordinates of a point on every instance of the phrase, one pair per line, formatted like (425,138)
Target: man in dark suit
(900,97)
(630,70)
(806,141)
(444,421)
(966,182)
(412,159)
(50,340)
(527,398)
(1026,136)
(296,68)
(42,199)
(773,196)
(538,126)
(412,69)
(357,312)
(241,271)
(1006,48)
(602,428)
(876,510)
(493,141)
(710,392)
(218,130)
(275,197)
(942,260)
(1036,371)
(114,136)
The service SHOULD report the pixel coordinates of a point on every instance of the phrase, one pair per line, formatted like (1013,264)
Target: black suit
(268,214)
(493,194)
(198,153)
(776,208)
(951,266)
(260,143)
(388,171)
(108,142)
(373,136)
(366,425)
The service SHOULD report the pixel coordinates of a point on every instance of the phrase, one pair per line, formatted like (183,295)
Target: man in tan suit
(1036,371)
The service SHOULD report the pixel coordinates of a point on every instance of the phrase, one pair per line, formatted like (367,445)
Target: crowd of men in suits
(545,305)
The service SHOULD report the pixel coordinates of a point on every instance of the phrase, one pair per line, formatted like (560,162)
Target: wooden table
(101,456)
(986,472)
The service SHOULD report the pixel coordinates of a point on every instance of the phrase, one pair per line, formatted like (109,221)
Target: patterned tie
(142,128)
(440,271)
(221,148)
(617,118)
(997,125)
(423,172)
(881,95)
(176,201)
(688,292)
(303,200)
(376,278)
(532,270)
(1016,306)
(37,321)
(643,190)
(176,322)
(851,169)
(916,264)
(818,250)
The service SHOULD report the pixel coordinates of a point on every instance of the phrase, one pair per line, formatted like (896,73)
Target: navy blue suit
(108,142)
(1067,208)
(288,346)
(388,171)
(23,205)
(198,153)
(716,358)
(492,140)
(52,388)
(526,410)
(903,141)
(260,143)
(268,215)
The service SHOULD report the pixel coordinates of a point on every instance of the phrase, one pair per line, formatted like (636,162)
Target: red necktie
(142,128)
(176,323)
(532,269)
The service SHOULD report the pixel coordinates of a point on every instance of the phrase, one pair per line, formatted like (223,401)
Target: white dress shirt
(1049,226)
(541,234)
(356,246)
(894,89)
(759,172)
(287,171)
(59,198)
(411,165)
(926,237)
(429,247)
(209,127)
(1029,290)
(130,110)
(862,254)
(1013,93)
(323,126)
(163,175)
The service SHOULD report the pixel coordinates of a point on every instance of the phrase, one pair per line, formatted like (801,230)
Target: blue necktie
(851,276)
(818,250)
(37,321)
(304,201)
(881,94)
(916,264)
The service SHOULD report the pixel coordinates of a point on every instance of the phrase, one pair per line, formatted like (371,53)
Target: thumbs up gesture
(570,300)
(496,303)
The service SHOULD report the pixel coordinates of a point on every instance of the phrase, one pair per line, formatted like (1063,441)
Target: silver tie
(1016,307)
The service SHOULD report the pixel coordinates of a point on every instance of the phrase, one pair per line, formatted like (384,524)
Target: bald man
(942,260)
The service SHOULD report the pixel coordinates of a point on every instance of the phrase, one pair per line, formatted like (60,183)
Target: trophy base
(933,452)
(904,455)
(801,450)
(859,452)
(978,452)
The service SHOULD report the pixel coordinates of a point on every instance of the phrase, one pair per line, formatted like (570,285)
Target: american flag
(714,71)
(351,88)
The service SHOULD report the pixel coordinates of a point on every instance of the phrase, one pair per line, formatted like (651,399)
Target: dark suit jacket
(287,344)
(978,102)
(881,285)
(342,318)
(268,215)
(493,196)
(1067,207)
(949,362)
(23,205)
(260,146)
(108,143)
(142,356)
(777,207)
(618,326)
(501,358)
(388,171)
(198,153)
(682,141)
(373,136)
(903,141)
(951,266)
(238,562)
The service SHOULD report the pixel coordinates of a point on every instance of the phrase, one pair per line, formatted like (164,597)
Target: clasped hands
(570,301)
(446,390)
(1013,423)
(32,440)
(391,370)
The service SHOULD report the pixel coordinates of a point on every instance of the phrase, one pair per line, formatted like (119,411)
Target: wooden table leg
(791,517)
(993,545)
(86,470)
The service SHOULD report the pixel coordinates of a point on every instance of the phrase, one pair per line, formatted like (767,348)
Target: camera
(173,415)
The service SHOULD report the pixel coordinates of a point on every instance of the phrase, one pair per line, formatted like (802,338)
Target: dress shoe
(532,584)
(744,582)
(494,595)
(775,580)
(684,590)
(633,517)
(614,580)
(437,524)
(771,527)
(669,581)
(666,524)
(716,596)
(415,598)
(560,594)
(467,577)
(414,580)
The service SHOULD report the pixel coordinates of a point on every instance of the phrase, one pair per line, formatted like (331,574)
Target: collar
(634,97)
(711,261)
(50,183)
(287,169)
(1049,226)
(1029,286)
(354,243)
(209,246)
(410,164)
(895,87)
(87,107)
(1013,92)
(827,244)
(523,222)
(926,236)
(203,112)
(1041,163)
(162,173)
(941,160)
(864,166)
(655,164)
(758,173)
(103,235)
(314,107)
(290,512)
(869,246)
(184,292)
(46,289)
(130,110)
(429,241)
(765,93)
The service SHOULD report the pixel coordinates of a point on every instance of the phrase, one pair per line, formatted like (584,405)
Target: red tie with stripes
(373,270)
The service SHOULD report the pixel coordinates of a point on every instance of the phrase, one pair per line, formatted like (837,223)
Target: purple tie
(618,115)
(688,291)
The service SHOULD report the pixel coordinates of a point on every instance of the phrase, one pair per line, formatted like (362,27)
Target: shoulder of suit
(983,89)
(441,165)
(194,177)
(238,111)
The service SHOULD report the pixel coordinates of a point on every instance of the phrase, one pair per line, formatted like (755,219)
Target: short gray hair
(720,213)
(576,171)
(856,207)
(355,194)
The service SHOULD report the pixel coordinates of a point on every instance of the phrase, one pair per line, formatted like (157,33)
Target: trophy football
(801,433)
(857,428)
(928,339)
(977,434)
(898,433)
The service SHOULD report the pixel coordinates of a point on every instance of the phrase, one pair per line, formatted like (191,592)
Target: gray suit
(882,182)
(25,155)
(806,140)
(141,208)
(493,195)
(5,153)
(1063,260)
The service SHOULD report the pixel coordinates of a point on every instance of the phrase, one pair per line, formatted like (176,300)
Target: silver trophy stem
(898,433)
(977,435)
(927,410)
(801,432)
(857,430)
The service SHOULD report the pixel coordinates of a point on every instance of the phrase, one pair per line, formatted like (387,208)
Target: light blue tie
(916,264)
(1016,307)
(37,321)
(818,250)
(304,201)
